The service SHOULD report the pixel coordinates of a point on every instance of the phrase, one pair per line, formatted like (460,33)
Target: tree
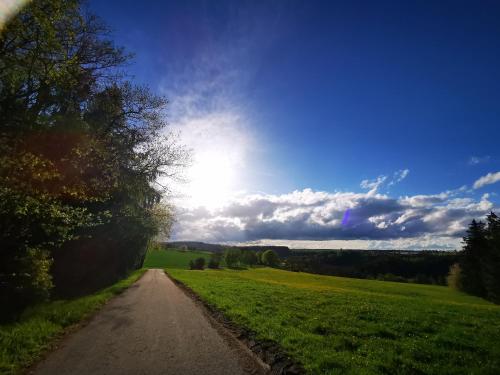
(270,258)
(480,259)
(232,257)
(249,257)
(471,277)
(490,263)
(197,264)
(259,257)
(81,150)
(214,262)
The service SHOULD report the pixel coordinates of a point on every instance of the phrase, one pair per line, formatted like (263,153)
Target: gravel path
(152,328)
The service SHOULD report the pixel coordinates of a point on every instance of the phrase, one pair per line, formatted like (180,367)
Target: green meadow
(161,258)
(335,325)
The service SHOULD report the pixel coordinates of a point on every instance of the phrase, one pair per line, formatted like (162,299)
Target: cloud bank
(381,221)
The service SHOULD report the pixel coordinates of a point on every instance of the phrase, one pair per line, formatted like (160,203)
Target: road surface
(152,328)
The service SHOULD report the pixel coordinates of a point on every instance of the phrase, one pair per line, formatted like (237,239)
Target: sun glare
(212,179)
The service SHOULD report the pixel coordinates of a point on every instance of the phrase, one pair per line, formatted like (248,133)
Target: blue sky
(317,97)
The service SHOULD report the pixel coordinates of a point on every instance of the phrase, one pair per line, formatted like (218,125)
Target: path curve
(152,328)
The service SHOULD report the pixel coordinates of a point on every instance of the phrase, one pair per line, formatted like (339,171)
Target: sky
(325,124)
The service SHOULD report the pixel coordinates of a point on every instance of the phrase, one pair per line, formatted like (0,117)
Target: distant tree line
(281,251)
(237,258)
(478,270)
(425,267)
(80,151)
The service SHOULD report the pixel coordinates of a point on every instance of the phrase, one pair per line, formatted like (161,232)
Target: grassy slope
(341,325)
(23,342)
(159,258)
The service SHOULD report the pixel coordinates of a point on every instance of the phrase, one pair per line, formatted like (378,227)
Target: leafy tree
(259,257)
(232,257)
(81,150)
(197,264)
(270,258)
(249,257)
(214,261)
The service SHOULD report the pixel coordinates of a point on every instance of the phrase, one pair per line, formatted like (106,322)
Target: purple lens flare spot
(346,217)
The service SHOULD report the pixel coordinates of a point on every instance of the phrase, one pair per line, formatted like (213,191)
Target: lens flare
(8,8)
(345,219)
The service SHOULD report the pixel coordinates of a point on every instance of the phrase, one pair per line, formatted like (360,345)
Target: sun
(212,179)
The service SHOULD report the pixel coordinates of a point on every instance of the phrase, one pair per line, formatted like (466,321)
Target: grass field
(23,342)
(335,325)
(160,258)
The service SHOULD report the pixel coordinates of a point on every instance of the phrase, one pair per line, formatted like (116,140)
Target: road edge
(268,354)
(68,331)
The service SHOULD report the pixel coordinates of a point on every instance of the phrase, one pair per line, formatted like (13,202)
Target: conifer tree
(490,262)
(475,246)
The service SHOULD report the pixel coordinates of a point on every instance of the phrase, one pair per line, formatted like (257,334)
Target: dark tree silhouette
(475,247)
(80,151)
(480,259)
(491,259)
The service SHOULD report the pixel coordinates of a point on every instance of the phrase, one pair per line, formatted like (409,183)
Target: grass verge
(334,325)
(23,342)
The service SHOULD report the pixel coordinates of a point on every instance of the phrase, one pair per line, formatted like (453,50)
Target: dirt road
(152,328)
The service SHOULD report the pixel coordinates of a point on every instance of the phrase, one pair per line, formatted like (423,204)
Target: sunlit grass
(23,342)
(335,325)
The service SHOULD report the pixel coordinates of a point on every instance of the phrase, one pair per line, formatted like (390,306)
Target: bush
(270,258)
(214,262)
(232,257)
(197,264)
(249,257)
(259,257)
(454,277)
(391,277)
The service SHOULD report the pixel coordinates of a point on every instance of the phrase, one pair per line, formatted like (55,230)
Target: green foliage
(259,257)
(335,325)
(480,259)
(424,267)
(197,264)
(249,257)
(215,260)
(80,151)
(158,257)
(23,342)
(232,257)
(270,258)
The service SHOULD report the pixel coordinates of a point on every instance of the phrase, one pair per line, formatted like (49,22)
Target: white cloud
(377,183)
(474,160)
(373,219)
(489,179)
(399,176)
(373,185)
